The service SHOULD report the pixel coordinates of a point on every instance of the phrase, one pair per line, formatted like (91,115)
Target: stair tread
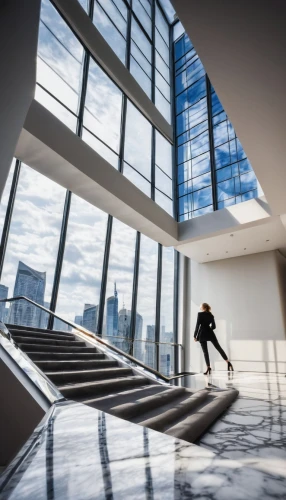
(35,329)
(111,400)
(102,371)
(166,415)
(56,348)
(80,363)
(56,342)
(191,427)
(102,382)
(148,403)
(70,356)
(42,335)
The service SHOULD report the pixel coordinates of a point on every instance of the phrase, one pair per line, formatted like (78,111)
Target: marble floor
(253,429)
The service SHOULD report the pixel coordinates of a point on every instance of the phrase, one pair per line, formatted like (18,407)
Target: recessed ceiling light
(231,235)
(226,252)
(245,249)
(267,240)
(207,253)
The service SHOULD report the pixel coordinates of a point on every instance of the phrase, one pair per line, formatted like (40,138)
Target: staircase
(86,374)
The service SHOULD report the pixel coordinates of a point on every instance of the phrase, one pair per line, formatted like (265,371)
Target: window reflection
(80,282)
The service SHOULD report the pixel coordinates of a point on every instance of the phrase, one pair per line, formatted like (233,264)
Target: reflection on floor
(253,430)
(80,453)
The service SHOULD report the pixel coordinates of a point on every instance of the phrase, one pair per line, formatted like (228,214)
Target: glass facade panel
(32,247)
(60,55)
(103,103)
(62,113)
(164,202)
(100,148)
(195,124)
(80,283)
(146,298)
(137,150)
(143,15)
(163,154)
(109,31)
(118,300)
(137,179)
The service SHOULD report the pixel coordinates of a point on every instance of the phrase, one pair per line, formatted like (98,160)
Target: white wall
(247,295)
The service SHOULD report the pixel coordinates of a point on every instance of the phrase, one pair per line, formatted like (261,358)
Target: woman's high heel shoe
(229,367)
(208,372)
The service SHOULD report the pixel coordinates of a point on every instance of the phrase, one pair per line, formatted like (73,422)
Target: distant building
(78,320)
(150,347)
(3,295)
(124,320)
(32,284)
(44,316)
(139,346)
(61,326)
(89,318)
(112,314)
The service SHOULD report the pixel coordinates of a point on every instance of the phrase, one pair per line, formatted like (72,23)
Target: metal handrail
(102,341)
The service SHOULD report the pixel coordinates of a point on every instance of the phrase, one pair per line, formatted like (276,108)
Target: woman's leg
(216,344)
(204,345)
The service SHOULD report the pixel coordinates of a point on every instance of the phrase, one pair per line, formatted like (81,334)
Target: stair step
(107,402)
(87,375)
(36,340)
(72,356)
(170,413)
(101,387)
(33,347)
(41,335)
(21,328)
(64,365)
(141,406)
(191,427)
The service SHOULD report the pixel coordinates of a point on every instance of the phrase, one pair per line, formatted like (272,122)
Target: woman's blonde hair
(206,307)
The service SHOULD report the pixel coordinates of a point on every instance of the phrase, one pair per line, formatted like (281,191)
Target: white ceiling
(261,238)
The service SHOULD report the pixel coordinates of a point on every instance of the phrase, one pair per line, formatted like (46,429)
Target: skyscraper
(78,320)
(124,319)
(32,284)
(112,314)
(3,295)
(89,318)
(44,316)
(150,351)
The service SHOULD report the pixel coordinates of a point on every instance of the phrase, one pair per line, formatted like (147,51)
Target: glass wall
(200,119)
(32,247)
(77,90)
(118,297)
(166,351)
(80,284)
(92,269)
(144,347)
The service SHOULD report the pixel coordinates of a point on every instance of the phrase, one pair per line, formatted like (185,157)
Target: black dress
(205,326)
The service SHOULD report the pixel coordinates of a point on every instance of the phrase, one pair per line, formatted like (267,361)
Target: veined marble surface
(79,453)
(253,429)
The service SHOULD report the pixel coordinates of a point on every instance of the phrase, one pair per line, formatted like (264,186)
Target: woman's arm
(197,329)
(213,324)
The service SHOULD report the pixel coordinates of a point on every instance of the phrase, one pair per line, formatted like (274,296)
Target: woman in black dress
(204,332)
